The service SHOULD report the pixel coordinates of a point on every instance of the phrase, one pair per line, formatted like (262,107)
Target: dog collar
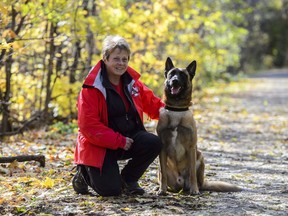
(177,109)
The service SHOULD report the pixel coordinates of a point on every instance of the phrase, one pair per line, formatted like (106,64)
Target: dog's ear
(191,69)
(168,65)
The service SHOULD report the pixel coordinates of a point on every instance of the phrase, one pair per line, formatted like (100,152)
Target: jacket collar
(126,78)
(94,75)
(96,78)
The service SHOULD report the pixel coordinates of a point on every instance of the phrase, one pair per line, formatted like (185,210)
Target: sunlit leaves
(48,183)
(65,95)
(184,30)
(5,46)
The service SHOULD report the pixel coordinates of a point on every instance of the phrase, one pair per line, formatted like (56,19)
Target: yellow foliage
(2,200)
(65,95)
(3,9)
(13,165)
(20,100)
(8,33)
(5,45)
(48,183)
(184,30)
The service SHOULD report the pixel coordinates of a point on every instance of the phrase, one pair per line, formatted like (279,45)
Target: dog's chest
(179,134)
(175,149)
(175,120)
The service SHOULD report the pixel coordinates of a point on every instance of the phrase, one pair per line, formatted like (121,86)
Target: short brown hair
(113,42)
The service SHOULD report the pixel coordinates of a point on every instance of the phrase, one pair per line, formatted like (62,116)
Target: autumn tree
(15,25)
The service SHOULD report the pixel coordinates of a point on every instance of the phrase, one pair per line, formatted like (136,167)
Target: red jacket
(94,135)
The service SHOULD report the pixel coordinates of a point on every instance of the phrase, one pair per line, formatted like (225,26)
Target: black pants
(108,181)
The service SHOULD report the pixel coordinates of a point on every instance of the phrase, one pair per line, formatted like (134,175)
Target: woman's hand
(128,144)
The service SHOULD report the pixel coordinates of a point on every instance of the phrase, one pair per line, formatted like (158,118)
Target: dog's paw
(161,193)
(194,192)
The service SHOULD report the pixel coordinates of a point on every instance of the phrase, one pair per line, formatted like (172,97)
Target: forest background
(48,47)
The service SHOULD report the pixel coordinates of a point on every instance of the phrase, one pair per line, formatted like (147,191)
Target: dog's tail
(218,186)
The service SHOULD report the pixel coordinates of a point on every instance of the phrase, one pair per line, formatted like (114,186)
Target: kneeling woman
(110,120)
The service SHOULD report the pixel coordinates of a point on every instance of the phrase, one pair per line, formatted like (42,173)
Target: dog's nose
(174,81)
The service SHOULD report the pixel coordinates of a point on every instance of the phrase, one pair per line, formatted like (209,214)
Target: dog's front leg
(193,172)
(163,173)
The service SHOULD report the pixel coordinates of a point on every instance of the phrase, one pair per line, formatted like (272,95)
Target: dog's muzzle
(175,86)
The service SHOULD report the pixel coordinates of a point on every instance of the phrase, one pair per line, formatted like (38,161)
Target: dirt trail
(251,126)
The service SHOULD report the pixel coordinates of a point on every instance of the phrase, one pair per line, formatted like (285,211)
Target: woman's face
(117,63)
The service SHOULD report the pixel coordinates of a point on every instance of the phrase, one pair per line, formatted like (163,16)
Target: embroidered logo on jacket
(135,91)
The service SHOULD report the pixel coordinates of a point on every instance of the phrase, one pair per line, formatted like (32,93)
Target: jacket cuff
(123,142)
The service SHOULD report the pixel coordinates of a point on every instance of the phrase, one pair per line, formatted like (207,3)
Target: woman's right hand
(128,144)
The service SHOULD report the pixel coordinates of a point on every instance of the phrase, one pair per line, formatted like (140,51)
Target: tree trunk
(90,43)
(6,124)
(90,40)
(48,87)
(76,56)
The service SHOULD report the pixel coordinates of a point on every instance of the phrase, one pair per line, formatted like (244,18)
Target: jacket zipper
(133,107)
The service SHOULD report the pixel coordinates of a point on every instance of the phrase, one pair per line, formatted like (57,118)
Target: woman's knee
(156,144)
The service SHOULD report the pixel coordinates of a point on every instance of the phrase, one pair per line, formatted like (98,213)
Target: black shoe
(78,182)
(133,188)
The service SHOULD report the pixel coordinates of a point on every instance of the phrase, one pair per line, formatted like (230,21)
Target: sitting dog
(181,163)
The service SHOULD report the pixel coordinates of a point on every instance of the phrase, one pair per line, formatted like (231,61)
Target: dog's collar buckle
(177,109)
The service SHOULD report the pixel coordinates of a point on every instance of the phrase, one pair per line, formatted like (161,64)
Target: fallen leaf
(48,183)
(125,209)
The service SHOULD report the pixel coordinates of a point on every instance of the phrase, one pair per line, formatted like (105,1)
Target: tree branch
(22,158)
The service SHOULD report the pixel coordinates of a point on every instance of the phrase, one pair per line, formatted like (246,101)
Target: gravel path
(245,140)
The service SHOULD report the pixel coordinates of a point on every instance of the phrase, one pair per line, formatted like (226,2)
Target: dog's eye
(183,75)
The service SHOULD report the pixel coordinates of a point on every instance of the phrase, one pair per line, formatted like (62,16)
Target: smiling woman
(116,55)
(111,43)
(116,65)
(110,119)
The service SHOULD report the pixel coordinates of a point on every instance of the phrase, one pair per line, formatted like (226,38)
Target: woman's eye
(124,60)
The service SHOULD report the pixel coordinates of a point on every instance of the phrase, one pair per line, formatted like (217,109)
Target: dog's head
(178,80)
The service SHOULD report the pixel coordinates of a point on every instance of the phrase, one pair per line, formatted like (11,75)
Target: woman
(110,120)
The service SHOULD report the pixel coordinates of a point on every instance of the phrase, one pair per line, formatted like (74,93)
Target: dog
(181,163)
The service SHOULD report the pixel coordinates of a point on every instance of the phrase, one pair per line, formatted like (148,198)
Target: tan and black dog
(181,163)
